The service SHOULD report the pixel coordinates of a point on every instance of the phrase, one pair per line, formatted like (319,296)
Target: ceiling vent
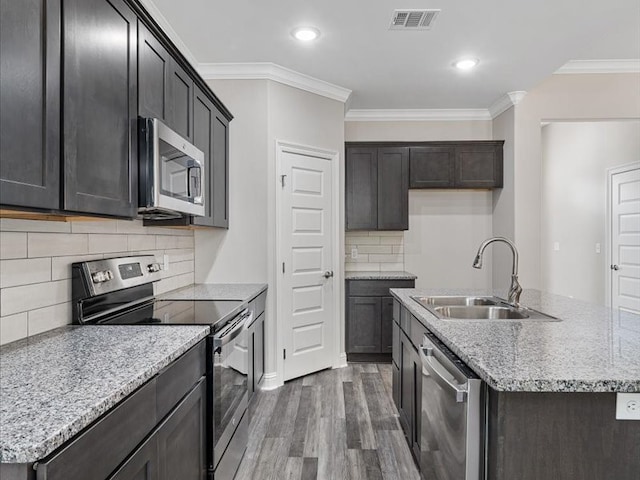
(409,19)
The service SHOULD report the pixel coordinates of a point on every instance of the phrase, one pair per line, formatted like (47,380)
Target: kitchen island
(551,386)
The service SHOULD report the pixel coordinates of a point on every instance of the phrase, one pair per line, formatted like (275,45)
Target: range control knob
(102,276)
(153,267)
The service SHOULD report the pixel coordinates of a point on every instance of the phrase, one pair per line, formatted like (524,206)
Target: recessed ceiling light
(466,63)
(305,34)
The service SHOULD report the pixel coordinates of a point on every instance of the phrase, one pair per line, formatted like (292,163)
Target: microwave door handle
(195,191)
(435,370)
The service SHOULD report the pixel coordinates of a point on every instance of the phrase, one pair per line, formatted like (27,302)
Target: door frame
(609,219)
(334,157)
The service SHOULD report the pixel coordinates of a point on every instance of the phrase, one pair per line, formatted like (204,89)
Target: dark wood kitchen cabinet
(377,182)
(157,433)
(100,92)
(181,89)
(30,103)
(154,70)
(369,318)
(456,165)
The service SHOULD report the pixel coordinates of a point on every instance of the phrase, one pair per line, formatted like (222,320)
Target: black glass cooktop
(177,312)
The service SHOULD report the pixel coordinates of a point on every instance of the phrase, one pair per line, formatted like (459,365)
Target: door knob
(328,274)
(615,267)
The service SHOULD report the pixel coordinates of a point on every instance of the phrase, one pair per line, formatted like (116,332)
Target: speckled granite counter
(593,348)
(371,275)
(216,291)
(55,384)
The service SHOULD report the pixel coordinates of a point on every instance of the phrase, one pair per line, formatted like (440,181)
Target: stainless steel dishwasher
(452,426)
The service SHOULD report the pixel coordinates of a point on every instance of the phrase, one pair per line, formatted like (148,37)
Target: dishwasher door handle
(437,371)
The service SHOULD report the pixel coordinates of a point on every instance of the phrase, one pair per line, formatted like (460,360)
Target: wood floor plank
(293,469)
(301,422)
(367,437)
(284,414)
(381,413)
(272,460)
(311,441)
(309,469)
(351,417)
(332,463)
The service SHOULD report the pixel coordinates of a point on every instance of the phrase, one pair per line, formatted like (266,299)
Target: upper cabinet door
(181,101)
(203,118)
(431,167)
(100,107)
(479,166)
(154,70)
(393,188)
(220,174)
(30,103)
(362,188)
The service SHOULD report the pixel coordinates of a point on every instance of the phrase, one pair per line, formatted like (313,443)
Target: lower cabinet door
(395,384)
(142,464)
(363,325)
(386,325)
(406,386)
(182,438)
(258,352)
(416,414)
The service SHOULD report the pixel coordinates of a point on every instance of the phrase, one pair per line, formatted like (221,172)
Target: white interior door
(306,249)
(625,240)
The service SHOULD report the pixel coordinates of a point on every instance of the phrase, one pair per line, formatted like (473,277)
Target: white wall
(575,157)
(560,97)
(264,111)
(36,258)
(445,226)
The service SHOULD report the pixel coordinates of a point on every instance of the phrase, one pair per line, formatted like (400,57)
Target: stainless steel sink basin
(478,308)
(480,313)
(456,300)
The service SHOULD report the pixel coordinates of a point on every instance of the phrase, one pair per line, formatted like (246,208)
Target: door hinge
(284,353)
(282,267)
(282,177)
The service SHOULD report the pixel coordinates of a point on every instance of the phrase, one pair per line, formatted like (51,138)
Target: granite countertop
(55,384)
(373,275)
(593,348)
(216,291)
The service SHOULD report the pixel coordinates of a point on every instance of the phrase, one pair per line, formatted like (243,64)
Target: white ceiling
(518,43)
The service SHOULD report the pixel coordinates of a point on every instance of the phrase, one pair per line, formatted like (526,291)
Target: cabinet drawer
(100,449)
(376,288)
(417,331)
(405,321)
(176,380)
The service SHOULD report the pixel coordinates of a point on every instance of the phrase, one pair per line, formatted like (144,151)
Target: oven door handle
(220,340)
(438,372)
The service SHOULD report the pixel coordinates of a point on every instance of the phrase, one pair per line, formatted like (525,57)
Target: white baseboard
(270,381)
(342,361)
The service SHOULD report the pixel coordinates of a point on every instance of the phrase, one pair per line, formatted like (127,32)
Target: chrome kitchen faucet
(515,289)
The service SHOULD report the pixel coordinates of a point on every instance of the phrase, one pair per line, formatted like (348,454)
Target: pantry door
(625,238)
(306,241)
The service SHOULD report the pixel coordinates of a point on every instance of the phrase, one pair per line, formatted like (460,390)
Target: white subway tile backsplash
(13,327)
(13,245)
(35,270)
(43,319)
(37,295)
(97,226)
(99,243)
(142,242)
(15,225)
(377,251)
(57,244)
(61,266)
(24,271)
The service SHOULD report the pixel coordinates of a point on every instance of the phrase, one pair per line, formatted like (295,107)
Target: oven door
(230,382)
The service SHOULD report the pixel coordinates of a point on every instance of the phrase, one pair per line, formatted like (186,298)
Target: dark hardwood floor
(334,424)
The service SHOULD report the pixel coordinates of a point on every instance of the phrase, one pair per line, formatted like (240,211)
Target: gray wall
(575,159)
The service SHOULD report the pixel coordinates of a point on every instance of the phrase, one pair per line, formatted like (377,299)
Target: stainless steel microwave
(171,173)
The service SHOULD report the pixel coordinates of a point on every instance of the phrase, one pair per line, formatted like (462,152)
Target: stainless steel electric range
(119,291)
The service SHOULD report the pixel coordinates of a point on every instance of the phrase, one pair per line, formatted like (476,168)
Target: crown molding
(505,102)
(416,115)
(274,72)
(160,19)
(599,66)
